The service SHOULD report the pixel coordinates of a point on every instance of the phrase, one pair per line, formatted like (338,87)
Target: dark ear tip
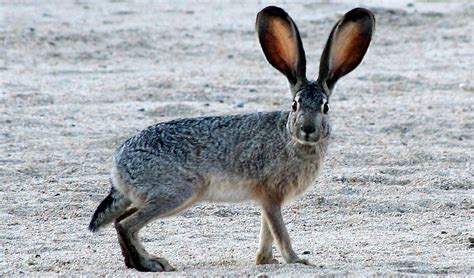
(360,14)
(272,11)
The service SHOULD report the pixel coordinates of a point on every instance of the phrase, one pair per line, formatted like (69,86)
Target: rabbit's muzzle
(309,133)
(310,128)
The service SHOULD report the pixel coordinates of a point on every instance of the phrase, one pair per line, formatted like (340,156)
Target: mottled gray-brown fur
(266,157)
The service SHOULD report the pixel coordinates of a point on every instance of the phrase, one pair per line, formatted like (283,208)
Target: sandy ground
(77,78)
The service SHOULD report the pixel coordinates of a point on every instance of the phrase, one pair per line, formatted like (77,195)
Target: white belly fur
(226,189)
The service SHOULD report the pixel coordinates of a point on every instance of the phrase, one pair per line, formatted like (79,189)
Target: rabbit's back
(207,143)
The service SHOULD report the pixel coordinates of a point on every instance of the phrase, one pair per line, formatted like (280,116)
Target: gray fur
(267,157)
(254,147)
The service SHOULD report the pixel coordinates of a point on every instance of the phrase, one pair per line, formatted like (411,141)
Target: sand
(77,78)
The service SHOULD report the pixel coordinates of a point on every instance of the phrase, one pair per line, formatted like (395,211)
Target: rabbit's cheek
(291,125)
(326,132)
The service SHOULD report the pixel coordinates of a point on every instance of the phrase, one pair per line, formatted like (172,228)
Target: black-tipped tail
(104,205)
(109,209)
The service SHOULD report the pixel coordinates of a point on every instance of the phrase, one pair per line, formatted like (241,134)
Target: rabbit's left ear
(346,45)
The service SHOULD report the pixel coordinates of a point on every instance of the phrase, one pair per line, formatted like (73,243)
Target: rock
(466,87)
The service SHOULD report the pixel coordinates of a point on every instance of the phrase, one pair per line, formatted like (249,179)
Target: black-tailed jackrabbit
(267,157)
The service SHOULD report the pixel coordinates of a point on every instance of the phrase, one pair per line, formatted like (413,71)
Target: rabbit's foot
(153,264)
(263,258)
(163,262)
(301,261)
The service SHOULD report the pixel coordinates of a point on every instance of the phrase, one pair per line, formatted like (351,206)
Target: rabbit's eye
(325,108)
(294,106)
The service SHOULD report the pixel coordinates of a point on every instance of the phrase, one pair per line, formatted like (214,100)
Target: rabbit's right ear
(281,44)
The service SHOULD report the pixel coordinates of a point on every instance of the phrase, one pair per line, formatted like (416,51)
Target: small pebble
(240,104)
(141,109)
(443,232)
(466,87)
(306,252)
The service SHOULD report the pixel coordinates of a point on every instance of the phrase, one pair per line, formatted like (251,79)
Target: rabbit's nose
(308,129)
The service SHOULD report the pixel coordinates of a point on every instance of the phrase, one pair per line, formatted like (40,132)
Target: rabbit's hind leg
(127,229)
(127,256)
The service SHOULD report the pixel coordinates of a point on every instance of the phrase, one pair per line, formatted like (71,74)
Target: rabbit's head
(346,46)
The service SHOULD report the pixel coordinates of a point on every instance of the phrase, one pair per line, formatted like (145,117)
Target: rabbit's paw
(266,259)
(165,265)
(301,261)
(154,264)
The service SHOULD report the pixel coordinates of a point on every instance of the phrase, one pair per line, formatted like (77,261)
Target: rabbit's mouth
(311,139)
(306,142)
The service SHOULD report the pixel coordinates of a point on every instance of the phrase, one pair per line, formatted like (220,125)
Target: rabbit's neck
(307,151)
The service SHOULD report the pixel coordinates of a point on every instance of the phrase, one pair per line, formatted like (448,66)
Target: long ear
(346,45)
(281,43)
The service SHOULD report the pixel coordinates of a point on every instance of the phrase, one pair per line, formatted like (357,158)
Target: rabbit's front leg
(274,218)
(264,253)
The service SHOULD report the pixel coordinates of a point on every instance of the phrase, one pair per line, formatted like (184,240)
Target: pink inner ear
(348,48)
(281,45)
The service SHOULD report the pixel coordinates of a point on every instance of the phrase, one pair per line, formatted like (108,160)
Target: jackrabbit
(266,157)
